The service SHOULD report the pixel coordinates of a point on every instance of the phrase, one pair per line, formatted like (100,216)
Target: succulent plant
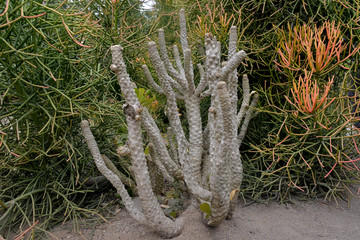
(208,161)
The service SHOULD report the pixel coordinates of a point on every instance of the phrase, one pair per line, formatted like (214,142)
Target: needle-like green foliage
(54,65)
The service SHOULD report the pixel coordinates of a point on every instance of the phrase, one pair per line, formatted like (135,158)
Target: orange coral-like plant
(312,48)
(306,93)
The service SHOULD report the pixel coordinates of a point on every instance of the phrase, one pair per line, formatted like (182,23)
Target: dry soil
(272,221)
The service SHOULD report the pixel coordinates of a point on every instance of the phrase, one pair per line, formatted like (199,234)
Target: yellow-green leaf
(147,151)
(173,214)
(205,207)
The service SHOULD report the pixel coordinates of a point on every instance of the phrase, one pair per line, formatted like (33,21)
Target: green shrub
(279,160)
(54,63)
(304,141)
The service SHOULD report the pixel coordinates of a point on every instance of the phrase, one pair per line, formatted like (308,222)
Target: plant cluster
(207,158)
(303,59)
(311,147)
(315,144)
(53,61)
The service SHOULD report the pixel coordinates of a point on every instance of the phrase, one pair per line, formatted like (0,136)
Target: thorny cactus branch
(206,158)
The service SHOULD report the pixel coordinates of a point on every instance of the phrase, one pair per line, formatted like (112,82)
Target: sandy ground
(316,220)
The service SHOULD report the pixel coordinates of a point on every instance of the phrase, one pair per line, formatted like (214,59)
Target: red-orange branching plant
(307,95)
(22,15)
(316,49)
(289,51)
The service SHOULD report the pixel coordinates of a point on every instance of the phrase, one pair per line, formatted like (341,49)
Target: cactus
(208,161)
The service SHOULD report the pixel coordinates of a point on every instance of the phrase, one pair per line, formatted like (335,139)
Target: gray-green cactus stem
(172,145)
(203,81)
(219,178)
(188,71)
(232,41)
(167,82)
(246,100)
(179,65)
(125,180)
(112,177)
(165,57)
(233,79)
(212,61)
(154,157)
(154,133)
(233,63)
(151,81)
(249,115)
(150,206)
(183,34)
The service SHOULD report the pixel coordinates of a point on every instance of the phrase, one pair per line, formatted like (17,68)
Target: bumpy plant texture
(207,158)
